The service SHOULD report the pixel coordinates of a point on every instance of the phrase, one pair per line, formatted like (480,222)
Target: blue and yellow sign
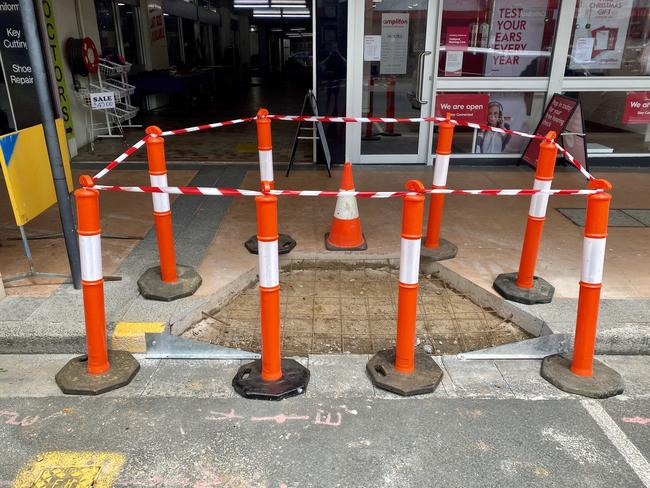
(26,169)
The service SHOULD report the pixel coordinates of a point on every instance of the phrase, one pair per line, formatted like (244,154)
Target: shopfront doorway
(391,77)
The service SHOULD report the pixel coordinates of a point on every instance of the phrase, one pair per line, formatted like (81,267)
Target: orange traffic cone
(346,234)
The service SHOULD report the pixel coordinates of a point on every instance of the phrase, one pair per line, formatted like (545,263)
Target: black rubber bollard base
(331,247)
(248,381)
(541,292)
(445,250)
(425,378)
(604,383)
(74,379)
(286,243)
(152,287)
(390,134)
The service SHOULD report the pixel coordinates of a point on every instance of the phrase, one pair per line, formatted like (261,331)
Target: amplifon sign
(463,106)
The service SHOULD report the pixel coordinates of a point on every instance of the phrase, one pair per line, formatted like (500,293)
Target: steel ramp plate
(167,346)
(536,348)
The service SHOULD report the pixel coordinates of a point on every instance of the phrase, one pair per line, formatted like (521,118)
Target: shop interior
(247,55)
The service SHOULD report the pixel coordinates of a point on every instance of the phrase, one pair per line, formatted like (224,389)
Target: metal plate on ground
(167,346)
(618,217)
(537,348)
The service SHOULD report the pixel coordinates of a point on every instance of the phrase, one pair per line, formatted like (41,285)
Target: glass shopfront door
(393,78)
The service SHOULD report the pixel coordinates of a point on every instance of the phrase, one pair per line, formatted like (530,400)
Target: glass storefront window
(106,25)
(516,111)
(173,40)
(497,37)
(610,39)
(394,34)
(129,31)
(616,122)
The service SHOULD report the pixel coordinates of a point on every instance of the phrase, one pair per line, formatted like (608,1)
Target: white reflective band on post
(440,170)
(90,251)
(346,207)
(160,200)
(409,261)
(266,165)
(268,262)
(539,201)
(593,260)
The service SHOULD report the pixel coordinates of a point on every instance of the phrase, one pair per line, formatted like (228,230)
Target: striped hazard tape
(228,192)
(326,118)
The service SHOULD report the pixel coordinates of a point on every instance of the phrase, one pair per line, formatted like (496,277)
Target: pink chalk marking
(328,420)
(13,419)
(636,420)
(280,418)
(221,415)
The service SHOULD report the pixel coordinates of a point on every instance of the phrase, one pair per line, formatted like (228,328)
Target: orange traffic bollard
(524,286)
(265,152)
(271,377)
(99,370)
(403,370)
(390,108)
(583,375)
(345,233)
(169,281)
(434,248)
(370,133)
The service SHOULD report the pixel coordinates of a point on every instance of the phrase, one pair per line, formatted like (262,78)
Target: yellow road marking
(129,336)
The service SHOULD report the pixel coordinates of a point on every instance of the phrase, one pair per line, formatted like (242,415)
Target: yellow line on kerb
(79,469)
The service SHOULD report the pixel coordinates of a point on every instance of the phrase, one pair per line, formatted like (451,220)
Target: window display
(497,37)
(610,39)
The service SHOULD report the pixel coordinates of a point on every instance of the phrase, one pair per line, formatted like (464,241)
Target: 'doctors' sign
(18,74)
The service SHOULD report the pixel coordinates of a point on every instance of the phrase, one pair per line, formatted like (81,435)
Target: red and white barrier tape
(186,130)
(214,125)
(473,125)
(121,158)
(311,118)
(227,192)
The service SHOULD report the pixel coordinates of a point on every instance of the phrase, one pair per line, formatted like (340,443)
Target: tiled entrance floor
(334,307)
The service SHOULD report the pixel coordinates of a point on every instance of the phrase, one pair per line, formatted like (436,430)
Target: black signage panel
(18,75)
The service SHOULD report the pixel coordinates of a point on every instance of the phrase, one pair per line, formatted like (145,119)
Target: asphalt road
(359,442)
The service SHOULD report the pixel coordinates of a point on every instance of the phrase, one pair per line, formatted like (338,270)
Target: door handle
(420,77)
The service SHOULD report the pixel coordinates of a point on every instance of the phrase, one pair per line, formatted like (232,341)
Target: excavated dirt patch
(335,307)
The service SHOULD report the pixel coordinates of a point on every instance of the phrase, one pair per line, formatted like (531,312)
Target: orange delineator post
(593,256)
(440,170)
(390,108)
(537,212)
(267,236)
(161,209)
(92,278)
(412,217)
(265,147)
(370,135)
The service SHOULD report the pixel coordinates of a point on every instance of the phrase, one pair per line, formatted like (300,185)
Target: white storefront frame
(556,82)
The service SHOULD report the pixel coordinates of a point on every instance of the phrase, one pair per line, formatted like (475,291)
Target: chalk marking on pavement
(636,420)
(617,437)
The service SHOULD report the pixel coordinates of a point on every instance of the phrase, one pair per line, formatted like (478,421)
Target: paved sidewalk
(494,424)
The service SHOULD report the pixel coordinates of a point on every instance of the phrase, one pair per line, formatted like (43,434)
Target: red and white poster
(463,106)
(600,33)
(637,108)
(557,116)
(516,33)
(456,43)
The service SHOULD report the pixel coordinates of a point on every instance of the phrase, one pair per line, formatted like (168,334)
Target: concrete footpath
(491,423)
